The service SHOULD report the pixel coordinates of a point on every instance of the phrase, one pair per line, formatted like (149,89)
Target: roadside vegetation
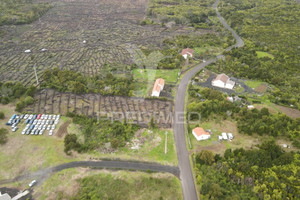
(83,183)
(21,11)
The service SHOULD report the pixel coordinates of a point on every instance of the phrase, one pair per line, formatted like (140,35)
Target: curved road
(43,174)
(186,176)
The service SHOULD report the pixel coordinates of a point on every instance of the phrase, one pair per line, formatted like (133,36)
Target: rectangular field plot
(131,109)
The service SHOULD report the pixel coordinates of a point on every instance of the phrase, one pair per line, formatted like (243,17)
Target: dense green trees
(71,81)
(263,173)
(21,11)
(99,132)
(270,26)
(16,91)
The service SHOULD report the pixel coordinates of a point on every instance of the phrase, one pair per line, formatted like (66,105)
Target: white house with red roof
(158,87)
(223,81)
(187,53)
(200,134)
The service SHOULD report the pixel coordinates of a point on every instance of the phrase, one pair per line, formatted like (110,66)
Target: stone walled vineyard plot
(136,110)
(108,26)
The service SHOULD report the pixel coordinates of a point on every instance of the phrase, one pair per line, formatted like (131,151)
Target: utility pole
(37,80)
(166,142)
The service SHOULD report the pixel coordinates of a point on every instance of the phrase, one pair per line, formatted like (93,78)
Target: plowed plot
(135,110)
(108,26)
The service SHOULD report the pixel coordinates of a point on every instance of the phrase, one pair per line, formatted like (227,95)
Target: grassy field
(253,83)
(142,75)
(83,183)
(261,54)
(26,153)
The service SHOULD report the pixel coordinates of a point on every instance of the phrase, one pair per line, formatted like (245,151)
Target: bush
(2,116)
(3,135)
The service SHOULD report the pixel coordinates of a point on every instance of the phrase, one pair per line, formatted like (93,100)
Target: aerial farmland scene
(149,99)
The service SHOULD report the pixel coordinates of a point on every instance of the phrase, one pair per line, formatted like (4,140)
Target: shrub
(2,116)
(3,135)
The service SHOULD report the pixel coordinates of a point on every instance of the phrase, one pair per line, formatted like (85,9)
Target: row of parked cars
(36,124)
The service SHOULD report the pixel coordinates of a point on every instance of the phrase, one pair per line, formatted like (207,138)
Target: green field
(253,83)
(261,54)
(95,184)
(143,75)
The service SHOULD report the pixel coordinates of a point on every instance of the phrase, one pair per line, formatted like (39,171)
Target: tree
(70,142)
(3,135)
(2,116)
(205,157)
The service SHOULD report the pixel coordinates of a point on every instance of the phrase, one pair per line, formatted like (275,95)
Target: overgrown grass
(83,184)
(151,151)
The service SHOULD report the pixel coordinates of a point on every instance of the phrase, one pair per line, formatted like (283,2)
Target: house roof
(187,51)
(160,81)
(222,77)
(200,131)
(158,84)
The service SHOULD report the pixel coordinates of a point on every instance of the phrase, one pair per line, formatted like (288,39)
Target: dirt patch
(63,129)
(261,88)
(218,148)
(260,106)
(293,113)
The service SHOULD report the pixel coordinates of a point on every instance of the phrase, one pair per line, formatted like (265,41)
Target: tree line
(75,82)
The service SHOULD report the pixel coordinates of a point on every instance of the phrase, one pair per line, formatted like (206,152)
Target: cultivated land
(110,28)
(137,110)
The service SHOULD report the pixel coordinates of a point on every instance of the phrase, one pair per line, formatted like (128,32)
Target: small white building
(224,136)
(187,53)
(250,107)
(230,136)
(223,81)
(158,87)
(4,196)
(200,134)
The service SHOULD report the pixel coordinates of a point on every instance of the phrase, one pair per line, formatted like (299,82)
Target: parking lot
(35,124)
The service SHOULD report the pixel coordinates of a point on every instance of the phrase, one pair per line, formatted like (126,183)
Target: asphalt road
(186,176)
(43,174)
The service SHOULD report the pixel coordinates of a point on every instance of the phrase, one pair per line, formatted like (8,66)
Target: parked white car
(32,183)
(51,132)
